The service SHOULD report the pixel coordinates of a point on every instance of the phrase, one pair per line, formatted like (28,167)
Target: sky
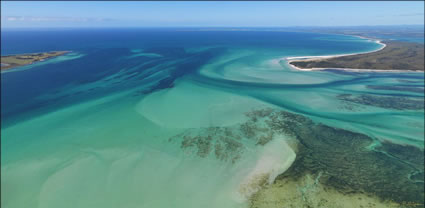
(208,13)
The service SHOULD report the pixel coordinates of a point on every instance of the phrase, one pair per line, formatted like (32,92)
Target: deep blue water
(109,63)
(96,127)
(15,42)
(104,49)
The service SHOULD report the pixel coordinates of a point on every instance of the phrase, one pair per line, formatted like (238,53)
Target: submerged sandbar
(336,167)
(12,61)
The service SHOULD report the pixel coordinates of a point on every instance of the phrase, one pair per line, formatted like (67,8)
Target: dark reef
(346,161)
(391,102)
(397,88)
(348,165)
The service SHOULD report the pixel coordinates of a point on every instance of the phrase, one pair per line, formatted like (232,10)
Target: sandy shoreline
(11,61)
(318,58)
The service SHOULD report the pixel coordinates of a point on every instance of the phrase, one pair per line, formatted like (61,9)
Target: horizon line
(212,27)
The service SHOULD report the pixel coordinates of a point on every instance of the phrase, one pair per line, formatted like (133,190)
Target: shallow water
(160,118)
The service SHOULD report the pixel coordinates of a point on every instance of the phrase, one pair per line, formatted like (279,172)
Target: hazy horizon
(219,27)
(209,14)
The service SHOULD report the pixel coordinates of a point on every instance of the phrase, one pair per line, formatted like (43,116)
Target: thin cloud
(410,15)
(53,19)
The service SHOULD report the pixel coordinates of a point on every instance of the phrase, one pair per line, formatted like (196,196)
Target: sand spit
(290,61)
(318,58)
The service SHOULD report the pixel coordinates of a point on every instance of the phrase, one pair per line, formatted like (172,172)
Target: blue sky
(208,14)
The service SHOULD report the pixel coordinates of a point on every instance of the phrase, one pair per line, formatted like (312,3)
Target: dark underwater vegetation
(166,118)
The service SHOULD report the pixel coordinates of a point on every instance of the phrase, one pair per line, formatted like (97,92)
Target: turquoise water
(99,127)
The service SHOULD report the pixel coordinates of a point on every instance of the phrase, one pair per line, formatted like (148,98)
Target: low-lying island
(12,61)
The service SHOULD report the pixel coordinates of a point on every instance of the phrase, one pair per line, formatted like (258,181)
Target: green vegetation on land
(12,61)
(395,56)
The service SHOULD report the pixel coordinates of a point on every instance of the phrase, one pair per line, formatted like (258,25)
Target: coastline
(289,60)
(234,121)
(35,58)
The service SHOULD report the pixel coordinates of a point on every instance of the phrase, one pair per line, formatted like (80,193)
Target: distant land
(12,61)
(396,32)
(408,33)
(396,55)
(404,47)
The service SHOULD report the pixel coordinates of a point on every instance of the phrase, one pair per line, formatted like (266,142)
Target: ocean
(181,117)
